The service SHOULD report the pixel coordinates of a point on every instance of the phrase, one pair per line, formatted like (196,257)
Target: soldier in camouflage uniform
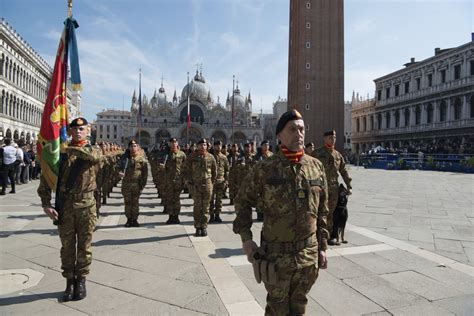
(171,171)
(200,173)
(334,164)
(235,160)
(75,199)
(134,180)
(294,233)
(265,154)
(220,184)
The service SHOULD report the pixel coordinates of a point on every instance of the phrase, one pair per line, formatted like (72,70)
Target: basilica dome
(197,89)
(239,100)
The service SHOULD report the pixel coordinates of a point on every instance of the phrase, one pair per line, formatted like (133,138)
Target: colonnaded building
(24,83)
(164,117)
(431,100)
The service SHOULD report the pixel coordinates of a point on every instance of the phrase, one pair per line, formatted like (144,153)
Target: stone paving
(410,252)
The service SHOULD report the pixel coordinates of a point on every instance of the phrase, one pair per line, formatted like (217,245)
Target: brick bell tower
(316,66)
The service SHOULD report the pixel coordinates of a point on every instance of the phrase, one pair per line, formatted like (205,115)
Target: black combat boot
(198,232)
(204,232)
(128,223)
(217,219)
(231,202)
(69,292)
(170,220)
(260,216)
(104,199)
(135,223)
(176,220)
(212,219)
(80,288)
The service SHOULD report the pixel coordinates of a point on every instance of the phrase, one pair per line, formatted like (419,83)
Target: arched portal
(162,135)
(194,135)
(144,139)
(240,138)
(219,135)
(196,114)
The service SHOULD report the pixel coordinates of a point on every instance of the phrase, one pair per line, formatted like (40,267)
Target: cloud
(363,26)
(52,35)
(231,40)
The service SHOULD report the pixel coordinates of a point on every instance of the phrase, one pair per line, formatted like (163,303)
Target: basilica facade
(164,117)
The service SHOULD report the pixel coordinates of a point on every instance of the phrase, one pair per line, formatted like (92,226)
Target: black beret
(132,142)
(285,118)
(247,145)
(202,141)
(265,142)
(309,144)
(330,133)
(217,142)
(80,121)
(173,139)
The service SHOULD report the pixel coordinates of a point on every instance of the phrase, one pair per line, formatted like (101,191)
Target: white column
(465,109)
(436,111)
(449,111)
(402,117)
(424,114)
(412,116)
(392,119)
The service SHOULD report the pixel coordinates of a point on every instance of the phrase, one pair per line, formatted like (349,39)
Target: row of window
(361,123)
(20,109)
(101,128)
(423,82)
(22,78)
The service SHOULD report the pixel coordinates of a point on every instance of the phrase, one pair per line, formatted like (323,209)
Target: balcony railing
(427,91)
(417,128)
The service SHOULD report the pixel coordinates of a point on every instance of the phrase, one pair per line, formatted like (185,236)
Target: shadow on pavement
(226,253)
(52,232)
(29,298)
(115,242)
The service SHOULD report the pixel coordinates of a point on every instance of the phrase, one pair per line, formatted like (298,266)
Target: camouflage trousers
(216,200)
(288,296)
(131,195)
(75,232)
(170,198)
(202,199)
(332,203)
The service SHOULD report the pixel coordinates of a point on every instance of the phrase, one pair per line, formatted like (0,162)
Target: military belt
(289,247)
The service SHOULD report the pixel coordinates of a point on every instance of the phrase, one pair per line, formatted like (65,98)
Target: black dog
(340,216)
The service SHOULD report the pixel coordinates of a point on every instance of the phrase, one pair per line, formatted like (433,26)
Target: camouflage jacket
(200,168)
(265,156)
(222,168)
(294,200)
(136,171)
(333,163)
(174,165)
(84,183)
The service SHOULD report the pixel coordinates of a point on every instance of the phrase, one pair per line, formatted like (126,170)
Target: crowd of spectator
(17,165)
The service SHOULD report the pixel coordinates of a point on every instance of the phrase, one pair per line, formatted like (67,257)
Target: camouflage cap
(80,121)
(285,118)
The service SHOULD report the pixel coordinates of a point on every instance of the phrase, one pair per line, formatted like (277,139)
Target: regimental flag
(139,116)
(52,138)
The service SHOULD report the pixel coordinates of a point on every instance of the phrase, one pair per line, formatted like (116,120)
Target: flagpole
(188,117)
(139,105)
(233,94)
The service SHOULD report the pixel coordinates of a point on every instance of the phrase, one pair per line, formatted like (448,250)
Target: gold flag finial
(69,8)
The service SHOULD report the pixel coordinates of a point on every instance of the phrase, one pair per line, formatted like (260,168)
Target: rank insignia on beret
(80,121)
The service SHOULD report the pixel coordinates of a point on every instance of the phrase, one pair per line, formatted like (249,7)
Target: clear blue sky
(248,38)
